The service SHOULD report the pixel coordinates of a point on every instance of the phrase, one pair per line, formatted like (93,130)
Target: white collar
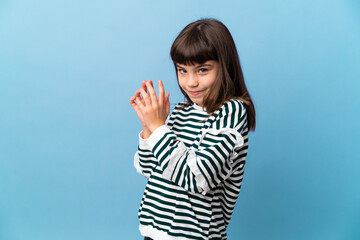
(199,108)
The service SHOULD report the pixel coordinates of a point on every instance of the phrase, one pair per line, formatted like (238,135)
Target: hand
(153,110)
(135,106)
(145,132)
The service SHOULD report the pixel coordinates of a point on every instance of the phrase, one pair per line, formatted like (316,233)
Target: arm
(144,160)
(200,170)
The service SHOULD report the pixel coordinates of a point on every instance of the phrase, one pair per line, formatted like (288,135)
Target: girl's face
(196,80)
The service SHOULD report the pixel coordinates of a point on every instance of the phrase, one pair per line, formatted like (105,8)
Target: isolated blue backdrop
(68,133)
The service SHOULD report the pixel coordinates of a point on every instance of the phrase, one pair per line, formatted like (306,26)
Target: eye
(181,71)
(203,70)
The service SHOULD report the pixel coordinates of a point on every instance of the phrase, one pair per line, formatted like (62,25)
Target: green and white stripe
(194,165)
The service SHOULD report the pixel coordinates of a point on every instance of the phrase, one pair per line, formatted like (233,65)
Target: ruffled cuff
(143,144)
(199,178)
(175,156)
(156,136)
(137,163)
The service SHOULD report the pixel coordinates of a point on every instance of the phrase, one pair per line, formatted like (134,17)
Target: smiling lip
(195,93)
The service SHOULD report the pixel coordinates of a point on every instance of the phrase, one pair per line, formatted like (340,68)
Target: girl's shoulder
(232,105)
(232,114)
(237,101)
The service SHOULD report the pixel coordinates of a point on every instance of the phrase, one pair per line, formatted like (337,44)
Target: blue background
(68,133)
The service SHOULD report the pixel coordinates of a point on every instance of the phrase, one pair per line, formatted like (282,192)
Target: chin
(197,101)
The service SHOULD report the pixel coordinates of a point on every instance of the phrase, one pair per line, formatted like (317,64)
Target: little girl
(194,158)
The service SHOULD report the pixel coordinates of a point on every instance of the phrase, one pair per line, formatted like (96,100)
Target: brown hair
(209,39)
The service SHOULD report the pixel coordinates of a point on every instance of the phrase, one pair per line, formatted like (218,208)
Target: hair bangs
(192,48)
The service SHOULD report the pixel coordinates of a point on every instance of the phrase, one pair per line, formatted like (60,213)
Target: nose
(192,80)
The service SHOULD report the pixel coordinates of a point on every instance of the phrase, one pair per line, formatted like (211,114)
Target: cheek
(210,81)
(181,82)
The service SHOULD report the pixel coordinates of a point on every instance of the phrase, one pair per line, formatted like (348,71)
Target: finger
(151,83)
(140,104)
(145,96)
(134,104)
(132,100)
(143,85)
(138,112)
(137,93)
(152,93)
(139,101)
(161,92)
(167,102)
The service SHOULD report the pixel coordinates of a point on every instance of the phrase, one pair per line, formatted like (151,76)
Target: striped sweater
(194,165)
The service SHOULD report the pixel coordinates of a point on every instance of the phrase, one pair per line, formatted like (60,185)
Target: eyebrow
(199,66)
(204,65)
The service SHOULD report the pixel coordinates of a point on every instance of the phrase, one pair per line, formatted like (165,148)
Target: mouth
(195,93)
